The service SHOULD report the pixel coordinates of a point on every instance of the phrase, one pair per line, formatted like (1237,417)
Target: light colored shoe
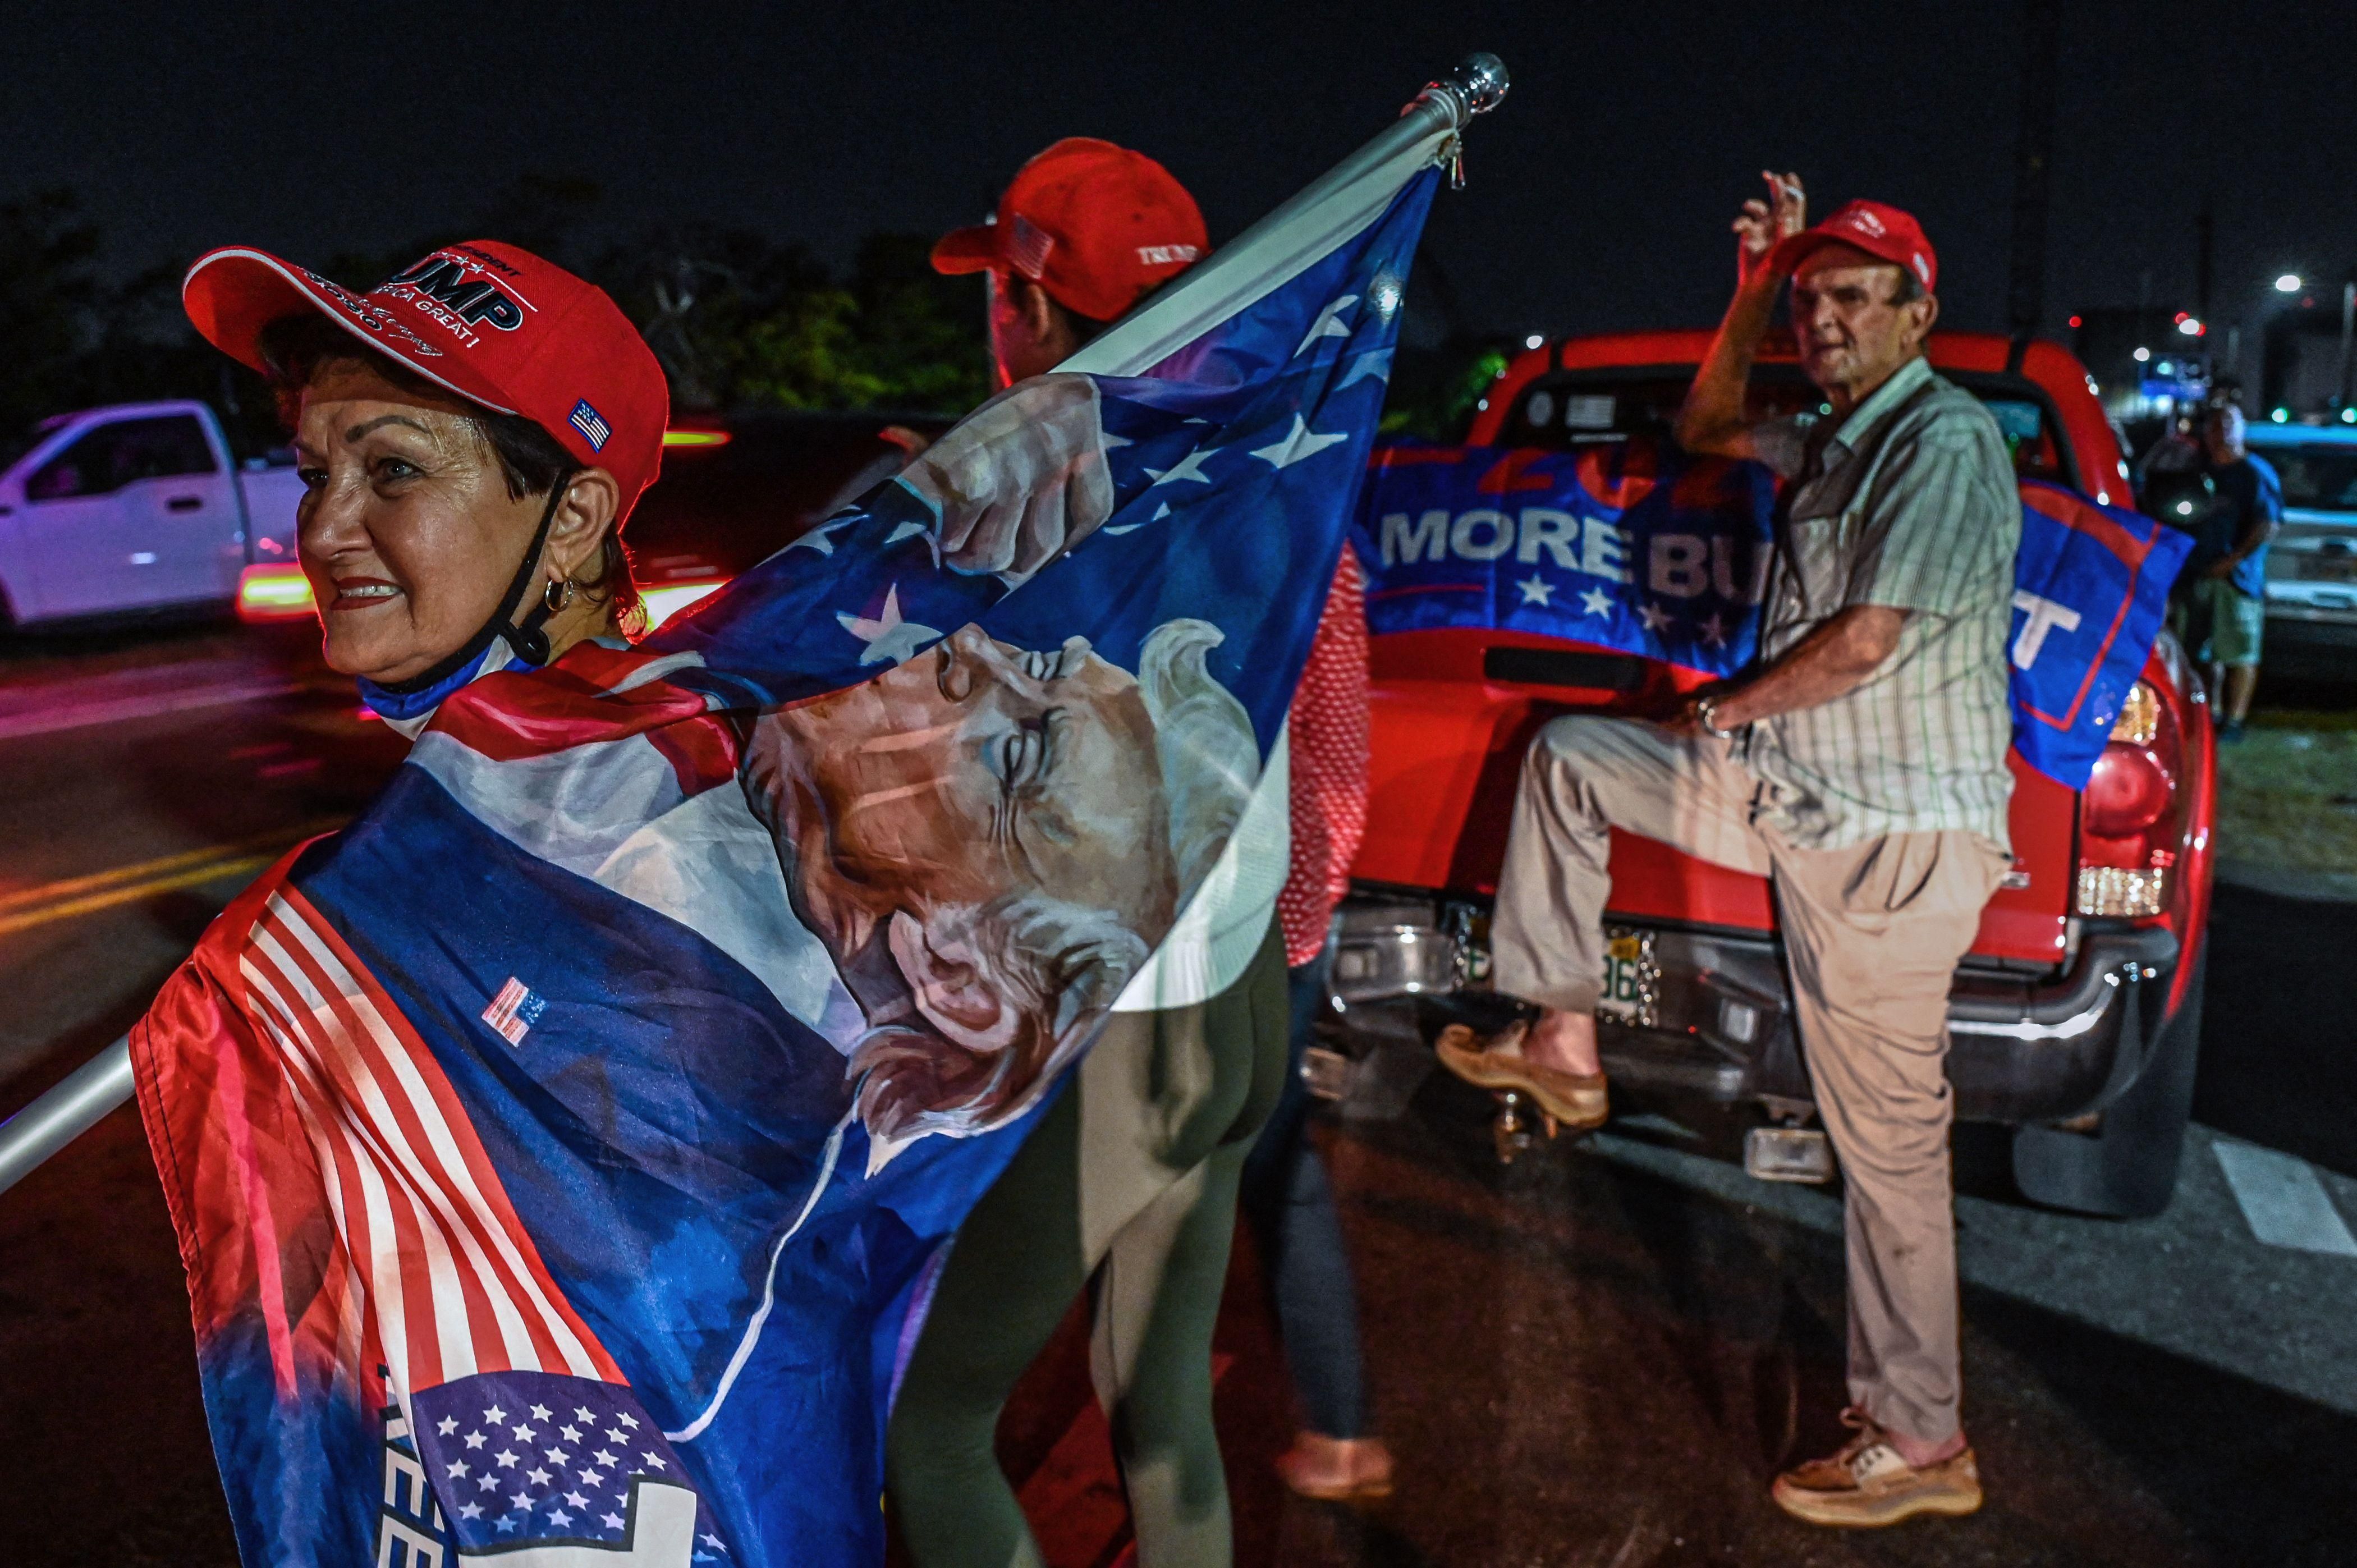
(1868,1484)
(1337,1469)
(1577,1101)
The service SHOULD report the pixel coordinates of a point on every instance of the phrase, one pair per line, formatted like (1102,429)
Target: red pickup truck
(2076,1017)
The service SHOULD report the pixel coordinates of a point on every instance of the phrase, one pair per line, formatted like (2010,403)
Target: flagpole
(1320,216)
(65,1113)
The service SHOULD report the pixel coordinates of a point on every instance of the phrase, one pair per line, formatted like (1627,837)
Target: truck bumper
(1714,1015)
(2310,640)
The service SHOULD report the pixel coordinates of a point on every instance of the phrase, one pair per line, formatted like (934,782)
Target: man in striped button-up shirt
(1861,764)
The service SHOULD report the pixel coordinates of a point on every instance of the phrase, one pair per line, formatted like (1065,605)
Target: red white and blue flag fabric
(1643,549)
(561,1153)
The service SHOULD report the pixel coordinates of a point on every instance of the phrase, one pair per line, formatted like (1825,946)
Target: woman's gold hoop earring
(557,595)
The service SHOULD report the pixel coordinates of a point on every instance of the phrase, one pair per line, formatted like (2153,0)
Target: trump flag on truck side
(559,1152)
(1638,548)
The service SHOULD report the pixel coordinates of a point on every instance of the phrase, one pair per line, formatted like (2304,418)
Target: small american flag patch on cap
(1028,246)
(514,1011)
(591,424)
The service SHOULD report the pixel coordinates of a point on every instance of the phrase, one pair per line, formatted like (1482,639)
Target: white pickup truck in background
(136,507)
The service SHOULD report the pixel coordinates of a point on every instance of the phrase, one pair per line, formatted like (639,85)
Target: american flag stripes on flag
(513,1011)
(592,425)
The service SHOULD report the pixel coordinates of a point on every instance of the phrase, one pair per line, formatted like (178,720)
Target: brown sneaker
(1577,1101)
(1337,1469)
(1868,1484)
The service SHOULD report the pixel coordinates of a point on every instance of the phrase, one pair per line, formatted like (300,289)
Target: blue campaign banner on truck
(1604,545)
(1643,549)
(2090,590)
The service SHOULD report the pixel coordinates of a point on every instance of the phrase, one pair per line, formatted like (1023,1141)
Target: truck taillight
(273,594)
(2129,813)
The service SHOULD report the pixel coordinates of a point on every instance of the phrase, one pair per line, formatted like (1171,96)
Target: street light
(2287,284)
(2189,326)
(2141,355)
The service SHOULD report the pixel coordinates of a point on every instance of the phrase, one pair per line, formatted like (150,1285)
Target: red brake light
(2127,793)
(2131,813)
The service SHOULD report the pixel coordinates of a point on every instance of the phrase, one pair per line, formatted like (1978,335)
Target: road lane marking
(2154,1282)
(49,720)
(2283,1202)
(73,896)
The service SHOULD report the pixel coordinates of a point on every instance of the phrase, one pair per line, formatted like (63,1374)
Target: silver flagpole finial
(1480,80)
(1476,86)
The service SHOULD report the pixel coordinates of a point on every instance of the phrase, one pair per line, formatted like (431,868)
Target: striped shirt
(1911,503)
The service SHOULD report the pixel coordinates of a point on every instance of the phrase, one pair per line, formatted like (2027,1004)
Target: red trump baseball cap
(494,324)
(1099,227)
(1884,232)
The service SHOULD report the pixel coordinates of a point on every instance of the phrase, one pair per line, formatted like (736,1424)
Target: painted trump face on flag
(989,841)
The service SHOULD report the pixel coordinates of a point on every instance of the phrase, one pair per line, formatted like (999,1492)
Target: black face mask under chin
(525,638)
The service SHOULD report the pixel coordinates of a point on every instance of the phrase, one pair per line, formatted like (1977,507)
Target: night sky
(1598,197)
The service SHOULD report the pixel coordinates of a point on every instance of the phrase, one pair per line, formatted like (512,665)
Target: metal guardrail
(65,1113)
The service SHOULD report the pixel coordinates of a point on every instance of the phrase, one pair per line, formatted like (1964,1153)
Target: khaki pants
(1872,933)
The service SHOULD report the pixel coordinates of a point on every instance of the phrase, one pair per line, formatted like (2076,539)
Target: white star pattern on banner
(1299,442)
(619,1508)
(888,636)
(1374,365)
(821,538)
(1328,323)
(1535,589)
(1190,467)
(1597,602)
(1654,617)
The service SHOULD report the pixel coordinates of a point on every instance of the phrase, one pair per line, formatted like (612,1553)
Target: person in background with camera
(2226,575)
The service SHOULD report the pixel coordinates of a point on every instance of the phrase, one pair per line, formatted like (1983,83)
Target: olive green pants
(1125,1188)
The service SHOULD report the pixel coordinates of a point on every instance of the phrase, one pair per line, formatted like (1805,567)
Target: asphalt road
(1594,1360)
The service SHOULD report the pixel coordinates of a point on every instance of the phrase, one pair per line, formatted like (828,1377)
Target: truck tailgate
(1447,745)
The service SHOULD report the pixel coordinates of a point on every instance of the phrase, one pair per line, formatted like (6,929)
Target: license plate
(1631,978)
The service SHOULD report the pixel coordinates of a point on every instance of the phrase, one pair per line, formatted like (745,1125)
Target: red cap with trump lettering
(494,324)
(1097,226)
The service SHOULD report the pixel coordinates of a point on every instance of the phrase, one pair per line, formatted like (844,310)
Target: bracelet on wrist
(1706,712)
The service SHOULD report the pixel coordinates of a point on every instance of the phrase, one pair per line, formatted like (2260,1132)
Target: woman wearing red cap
(472,434)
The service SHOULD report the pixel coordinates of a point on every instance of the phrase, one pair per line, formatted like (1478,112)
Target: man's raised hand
(1762,223)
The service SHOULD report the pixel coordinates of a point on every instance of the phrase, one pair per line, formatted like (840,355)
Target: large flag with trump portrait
(561,1154)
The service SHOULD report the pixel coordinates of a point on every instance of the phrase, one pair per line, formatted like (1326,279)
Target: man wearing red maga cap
(1083,232)
(1114,1190)
(1860,764)
(472,433)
